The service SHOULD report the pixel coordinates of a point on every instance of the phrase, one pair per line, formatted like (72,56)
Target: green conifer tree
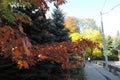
(38,32)
(60,32)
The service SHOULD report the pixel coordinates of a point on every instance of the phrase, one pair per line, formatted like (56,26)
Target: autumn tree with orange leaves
(13,41)
(72,23)
(16,46)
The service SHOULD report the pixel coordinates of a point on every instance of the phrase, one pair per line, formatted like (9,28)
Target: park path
(96,72)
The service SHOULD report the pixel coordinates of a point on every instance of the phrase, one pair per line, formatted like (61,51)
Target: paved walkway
(96,72)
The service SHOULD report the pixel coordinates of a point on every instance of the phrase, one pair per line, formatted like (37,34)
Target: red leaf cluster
(61,52)
(43,4)
(15,44)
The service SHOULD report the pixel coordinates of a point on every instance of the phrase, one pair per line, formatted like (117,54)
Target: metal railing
(111,68)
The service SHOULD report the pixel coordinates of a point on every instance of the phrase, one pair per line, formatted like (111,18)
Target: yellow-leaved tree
(94,35)
(75,36)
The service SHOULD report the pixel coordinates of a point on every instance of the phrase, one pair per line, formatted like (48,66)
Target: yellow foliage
(75,36)
(4,4)
(88,50)
(93,35)
(97,52)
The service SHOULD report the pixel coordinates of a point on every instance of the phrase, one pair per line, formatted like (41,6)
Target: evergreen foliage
(58,16)
(109,43)
(45,31)
(111,51)
(60,32)
(43,70)
(38,31)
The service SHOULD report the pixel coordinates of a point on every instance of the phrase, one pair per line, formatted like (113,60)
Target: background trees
(87,23)
(95,36)
(116,43)
(71,23)
(112,53)
(109,45)
(87,29)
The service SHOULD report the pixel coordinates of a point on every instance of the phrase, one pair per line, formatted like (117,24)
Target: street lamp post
(104,43)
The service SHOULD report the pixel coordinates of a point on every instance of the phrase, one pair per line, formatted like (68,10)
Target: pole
(104,43)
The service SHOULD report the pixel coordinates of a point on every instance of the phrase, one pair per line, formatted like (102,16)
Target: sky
(92,8)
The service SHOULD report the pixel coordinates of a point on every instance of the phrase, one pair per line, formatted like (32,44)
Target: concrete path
(95,72)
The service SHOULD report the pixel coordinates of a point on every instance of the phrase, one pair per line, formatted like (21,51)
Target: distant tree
(109,45)
(87,23)
(97,53)
(95,36)
(112,48)
(116,43)
(71,23)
